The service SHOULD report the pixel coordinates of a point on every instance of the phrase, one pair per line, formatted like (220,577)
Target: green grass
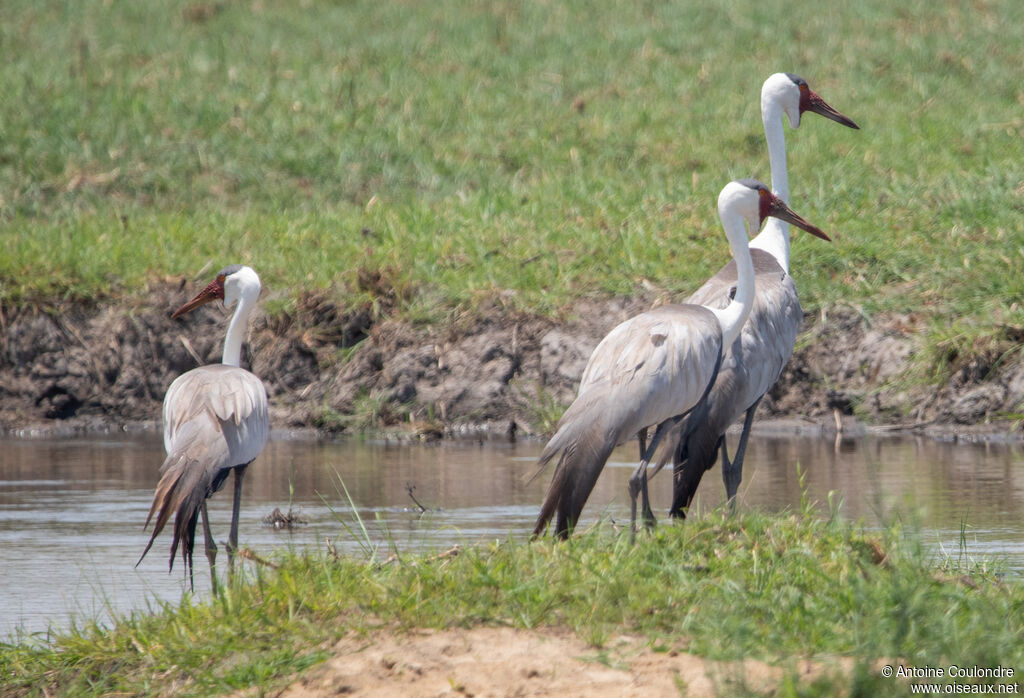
(529,152)
(772,587)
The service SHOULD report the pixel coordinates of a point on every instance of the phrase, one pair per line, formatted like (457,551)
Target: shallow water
(71,510)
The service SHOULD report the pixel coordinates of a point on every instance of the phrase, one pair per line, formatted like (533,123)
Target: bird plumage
(754,362)
(749,368)
(771,327)
(655,364)
(230,399)
(652,369)
(216,420)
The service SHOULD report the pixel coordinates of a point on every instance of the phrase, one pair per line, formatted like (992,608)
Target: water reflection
(71,511)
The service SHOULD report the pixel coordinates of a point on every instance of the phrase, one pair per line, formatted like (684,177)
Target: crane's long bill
(819,106)
(780,210)
(212,292)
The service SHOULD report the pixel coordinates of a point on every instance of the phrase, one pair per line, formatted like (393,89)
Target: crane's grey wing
(756,359)
(749,368)
(655,365)
(230,399)
(770,334)
(650,368)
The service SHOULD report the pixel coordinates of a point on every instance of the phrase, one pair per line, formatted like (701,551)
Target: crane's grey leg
(233,533)
(647,512)
(723,448)
(638,485)
(634,489)
(641,437)
(211,546)
(638,480)
(732,472)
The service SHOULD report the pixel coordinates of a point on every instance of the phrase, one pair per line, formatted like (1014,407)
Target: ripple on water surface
(72,510)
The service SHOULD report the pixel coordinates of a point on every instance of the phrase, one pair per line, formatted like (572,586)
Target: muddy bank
(91,366)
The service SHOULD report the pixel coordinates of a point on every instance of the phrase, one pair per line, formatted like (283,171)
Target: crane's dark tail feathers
(700,450)
(583,444)
(183,486)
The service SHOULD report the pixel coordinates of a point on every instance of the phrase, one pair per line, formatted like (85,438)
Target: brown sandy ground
(506,662)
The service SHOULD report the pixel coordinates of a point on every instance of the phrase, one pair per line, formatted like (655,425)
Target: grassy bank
(529,152)
(773,587)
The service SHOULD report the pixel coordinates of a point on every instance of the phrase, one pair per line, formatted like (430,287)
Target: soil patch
(507,662)
(92,366)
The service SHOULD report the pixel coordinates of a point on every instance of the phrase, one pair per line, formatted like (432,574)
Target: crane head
(231,283)
(796,97)
(770,205)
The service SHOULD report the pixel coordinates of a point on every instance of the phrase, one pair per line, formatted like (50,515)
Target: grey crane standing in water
(751,364)
(216,421)
(652,368)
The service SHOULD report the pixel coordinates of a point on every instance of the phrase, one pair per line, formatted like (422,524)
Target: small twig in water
(409,487)
(451,552)
(391,560)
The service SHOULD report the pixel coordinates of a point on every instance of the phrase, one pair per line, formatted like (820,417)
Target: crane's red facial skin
(811,101)
(213,291)
(764,205)
(771,205)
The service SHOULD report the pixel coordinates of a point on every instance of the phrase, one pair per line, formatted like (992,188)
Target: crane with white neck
(652,368)
(216,421)
(754,362)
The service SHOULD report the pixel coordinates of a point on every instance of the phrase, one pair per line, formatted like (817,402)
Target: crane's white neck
(732,316)
(774,238)
(242,288)
(236,333)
